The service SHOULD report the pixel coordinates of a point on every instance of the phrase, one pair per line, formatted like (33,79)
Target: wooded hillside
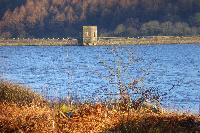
(61,18)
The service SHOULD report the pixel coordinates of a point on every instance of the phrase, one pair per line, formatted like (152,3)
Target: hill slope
(59,18)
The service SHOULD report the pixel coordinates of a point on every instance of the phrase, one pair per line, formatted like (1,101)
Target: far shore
(38,42)
(151,40)
(144,40)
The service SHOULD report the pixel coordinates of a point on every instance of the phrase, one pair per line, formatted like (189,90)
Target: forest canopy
(65,18)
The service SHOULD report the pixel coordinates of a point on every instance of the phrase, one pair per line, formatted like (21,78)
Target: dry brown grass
(25,119)
(32,117)
(92,118)
(98,118)
(19,95)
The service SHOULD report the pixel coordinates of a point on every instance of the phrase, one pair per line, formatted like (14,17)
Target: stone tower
(89,35)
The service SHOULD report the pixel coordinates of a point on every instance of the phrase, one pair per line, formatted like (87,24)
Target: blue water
(90,73)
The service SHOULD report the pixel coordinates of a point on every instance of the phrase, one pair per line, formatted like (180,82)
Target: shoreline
(38,42)
(151,40)
(23,110)
(146,40)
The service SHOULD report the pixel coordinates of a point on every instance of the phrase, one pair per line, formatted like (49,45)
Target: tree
(132,31)
(70,15)
(166,28)
(151,28)
(5,35)
(120,29)
(146,17)
(196,19)
(181,28)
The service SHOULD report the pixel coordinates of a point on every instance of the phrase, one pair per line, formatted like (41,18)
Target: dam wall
(38,42)
(150,40)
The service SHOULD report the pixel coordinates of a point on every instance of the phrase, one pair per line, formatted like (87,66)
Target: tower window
(86,33)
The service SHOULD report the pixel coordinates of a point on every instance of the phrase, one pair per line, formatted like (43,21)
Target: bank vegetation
(22,110)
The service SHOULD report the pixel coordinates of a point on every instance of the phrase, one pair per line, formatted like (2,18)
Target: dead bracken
(70,118)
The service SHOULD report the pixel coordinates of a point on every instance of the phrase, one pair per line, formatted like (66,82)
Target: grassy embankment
(114,41)
(152,40)
(37,42)
(21,110)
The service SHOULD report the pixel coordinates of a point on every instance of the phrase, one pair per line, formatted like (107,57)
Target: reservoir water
(90,73)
